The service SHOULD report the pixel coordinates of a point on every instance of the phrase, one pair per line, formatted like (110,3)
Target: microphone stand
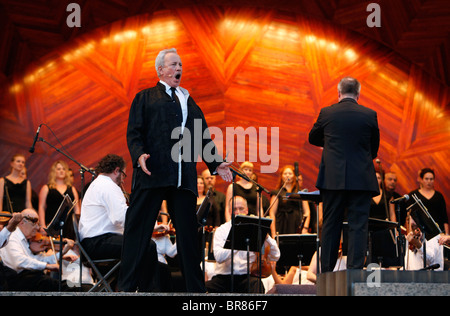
(83,168)
(386,205)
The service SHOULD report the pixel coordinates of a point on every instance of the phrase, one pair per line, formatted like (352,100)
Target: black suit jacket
(349,135)
(151,124)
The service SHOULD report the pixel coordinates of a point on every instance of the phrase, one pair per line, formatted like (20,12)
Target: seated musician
(221,282)
(18,256)
(5,233)
(103,212)
(415,249)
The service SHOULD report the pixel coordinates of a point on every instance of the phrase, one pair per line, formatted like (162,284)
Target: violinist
(7,226)
(30,267)
(103,213)
(415,249)
(10,227)
(221,282)
(165,247)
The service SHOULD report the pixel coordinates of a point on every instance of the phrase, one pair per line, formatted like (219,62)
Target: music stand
(426,224)
(296,248)
(56,226)
(245,237)
(374,225)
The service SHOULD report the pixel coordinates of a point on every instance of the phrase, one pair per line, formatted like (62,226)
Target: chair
(103,282)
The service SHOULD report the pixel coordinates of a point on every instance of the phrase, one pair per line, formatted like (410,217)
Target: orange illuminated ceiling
(246,67)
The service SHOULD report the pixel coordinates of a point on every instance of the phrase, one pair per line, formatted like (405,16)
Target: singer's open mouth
(178,76)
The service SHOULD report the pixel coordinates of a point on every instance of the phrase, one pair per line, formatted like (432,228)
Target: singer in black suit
(164,151)
(349,135)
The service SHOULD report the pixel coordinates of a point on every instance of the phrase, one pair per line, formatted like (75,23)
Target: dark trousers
(222,284)
(140,220)
(107,246)
(335,202)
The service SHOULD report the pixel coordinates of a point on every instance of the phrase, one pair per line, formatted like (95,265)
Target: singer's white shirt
(223,256)
(103,209)
(183,96)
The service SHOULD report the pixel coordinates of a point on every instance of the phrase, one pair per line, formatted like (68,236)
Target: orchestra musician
(221,282)
(164,168)
(103,214)
(432,199)
(217,198)
(415,249)
(288,216)
(18,256)
(6,229)
(103,210)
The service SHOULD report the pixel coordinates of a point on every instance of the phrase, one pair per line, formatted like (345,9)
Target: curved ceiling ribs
(246,67)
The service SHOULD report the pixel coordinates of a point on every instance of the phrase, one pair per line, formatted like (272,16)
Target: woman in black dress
(15,189)
(52,194)
(433,200)
(288,215)
(247,190)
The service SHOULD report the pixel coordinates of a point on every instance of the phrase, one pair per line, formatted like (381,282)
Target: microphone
(400,199)
(296,172)
(35,139)
(432,267)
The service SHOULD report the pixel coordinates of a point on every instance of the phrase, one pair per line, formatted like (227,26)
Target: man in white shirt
(221,282)
(102,220)
(18,256)
(103,211)
(5,233)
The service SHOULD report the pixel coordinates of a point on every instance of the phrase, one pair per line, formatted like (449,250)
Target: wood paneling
(252,66)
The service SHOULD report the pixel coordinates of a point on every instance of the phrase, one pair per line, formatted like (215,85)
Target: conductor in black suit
(349,135)
(166,134)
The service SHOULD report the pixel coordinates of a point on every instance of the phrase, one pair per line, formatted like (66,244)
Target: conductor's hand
(142,159)
(224,171)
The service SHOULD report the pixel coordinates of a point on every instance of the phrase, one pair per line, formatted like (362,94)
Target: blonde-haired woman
(52,195)
(247,190)
(16,187)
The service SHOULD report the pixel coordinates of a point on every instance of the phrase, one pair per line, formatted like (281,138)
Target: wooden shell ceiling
(262,65)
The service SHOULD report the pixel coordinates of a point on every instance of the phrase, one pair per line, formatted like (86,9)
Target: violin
(41,243)
(170,231)
(266,269)
(5,217)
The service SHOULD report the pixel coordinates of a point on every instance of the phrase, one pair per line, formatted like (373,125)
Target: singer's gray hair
(349,86)
(159,62)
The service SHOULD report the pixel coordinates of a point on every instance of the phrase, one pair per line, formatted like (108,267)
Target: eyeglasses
(124,175)
(32,220)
